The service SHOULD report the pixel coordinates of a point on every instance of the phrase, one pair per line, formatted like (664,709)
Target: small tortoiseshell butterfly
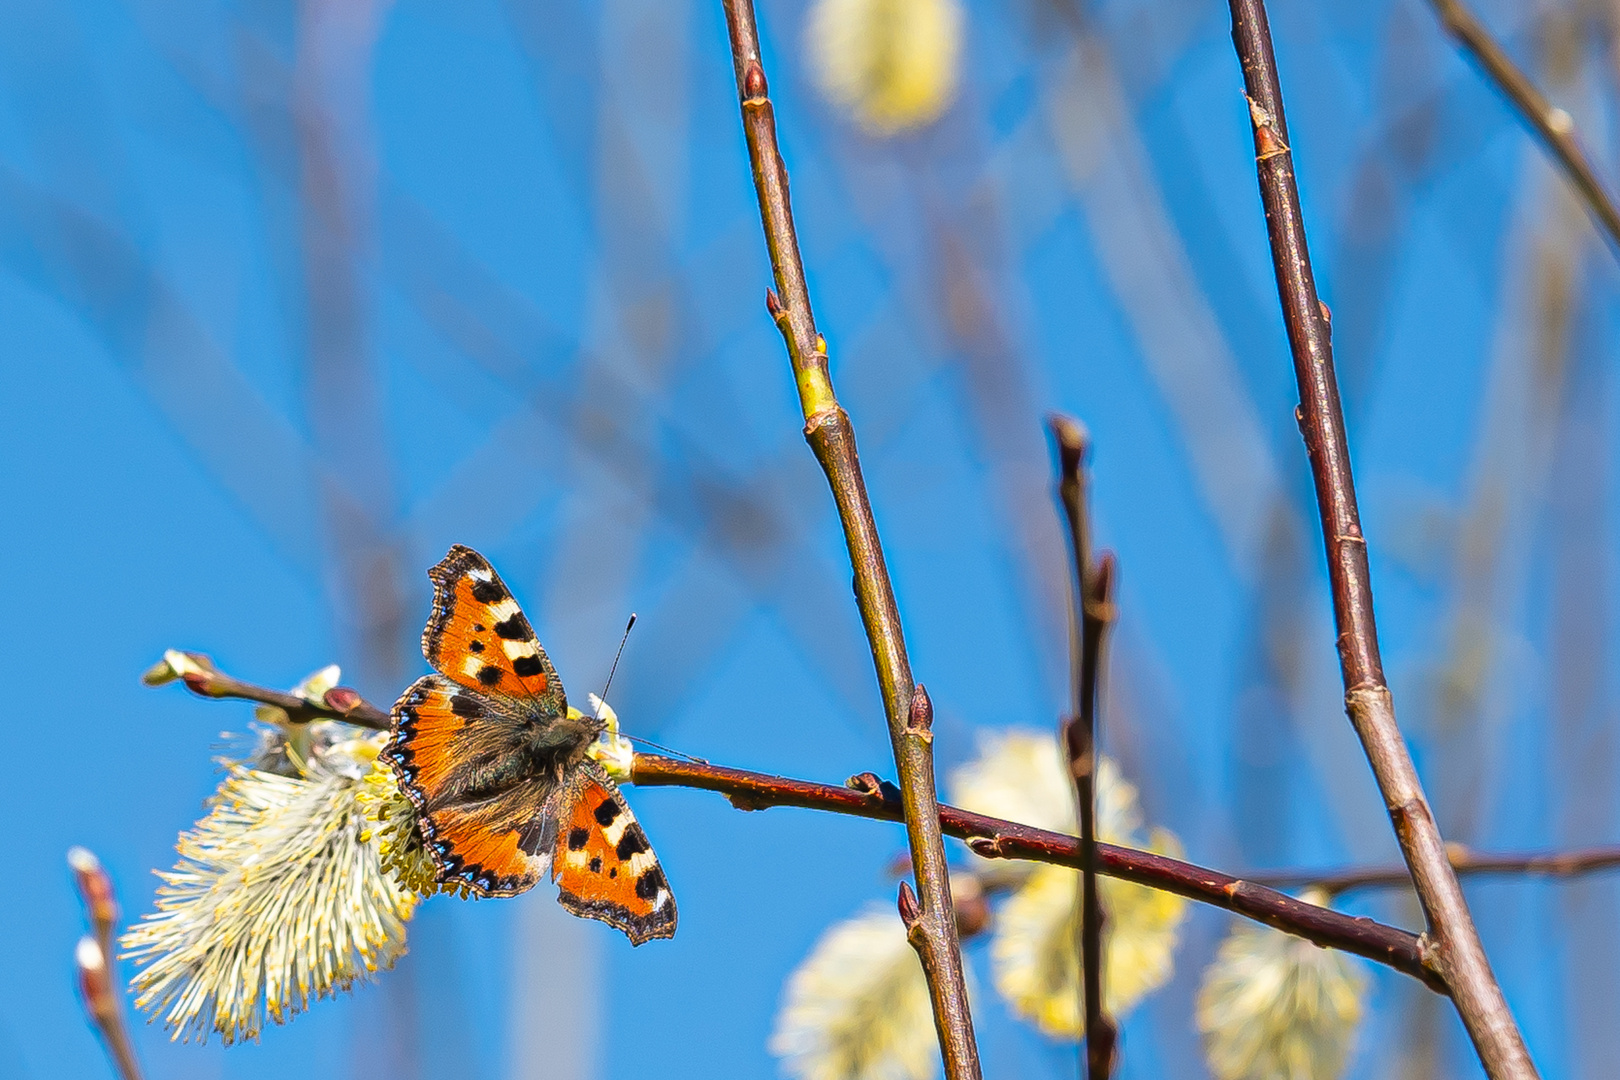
(495,762)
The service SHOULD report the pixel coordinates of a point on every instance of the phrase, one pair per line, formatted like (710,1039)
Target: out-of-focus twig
(1091,614)
(1554,127)
(1576,862)
(930,919)
(1479,999)
(205,680)
(93,957)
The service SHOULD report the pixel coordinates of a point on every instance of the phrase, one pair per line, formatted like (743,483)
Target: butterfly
(495,763)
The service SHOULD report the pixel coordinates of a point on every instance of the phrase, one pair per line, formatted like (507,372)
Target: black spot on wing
(596,865)
(633,842)
(577,838)
(515,629)
(527,666)
(648,884)
(489,674)
(466,706)
(606,812)
(488,592)
(475,646)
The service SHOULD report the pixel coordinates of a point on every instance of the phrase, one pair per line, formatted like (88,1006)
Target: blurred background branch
(1577,862)
(1091,613)
(96,959)
(1551,125)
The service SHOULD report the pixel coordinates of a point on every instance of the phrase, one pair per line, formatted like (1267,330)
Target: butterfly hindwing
(499,847)
(479,636)
(603,865)
(487,820)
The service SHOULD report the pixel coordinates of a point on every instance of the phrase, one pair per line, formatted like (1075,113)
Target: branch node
(755,90)
(910,908)
(920,720)
(95,983)
(96,888)
(343,699)
(1100,606)
(1267,142)
(990,847)
(1073,441)
(748,802)
(875,788)
(821,418)
(1433,956)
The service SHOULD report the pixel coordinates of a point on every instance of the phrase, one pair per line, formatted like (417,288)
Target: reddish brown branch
(1459,953)
(870,797)
(205,680)
(94,956)
(1091,614)
(1554,127)
(867,796)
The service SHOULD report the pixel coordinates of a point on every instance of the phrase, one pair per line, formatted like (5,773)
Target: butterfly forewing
(604,866)
(479,636)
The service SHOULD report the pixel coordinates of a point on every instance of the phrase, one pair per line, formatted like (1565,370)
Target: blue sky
(248,405)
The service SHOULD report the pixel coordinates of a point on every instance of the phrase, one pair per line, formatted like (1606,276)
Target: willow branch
(1554,127)
(869,797)
(205,680)
(1091,613)
(930,919)
(93,958)
(1458,951)
(1553,864)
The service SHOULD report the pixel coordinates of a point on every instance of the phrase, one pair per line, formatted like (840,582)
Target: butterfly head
(611,750)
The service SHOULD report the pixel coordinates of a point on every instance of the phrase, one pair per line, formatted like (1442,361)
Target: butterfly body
(498,766)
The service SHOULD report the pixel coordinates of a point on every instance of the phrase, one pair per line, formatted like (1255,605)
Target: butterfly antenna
(667,749)
(602,698)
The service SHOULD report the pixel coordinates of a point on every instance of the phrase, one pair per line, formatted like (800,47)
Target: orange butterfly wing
(486,823)
(478,635)
(603,865)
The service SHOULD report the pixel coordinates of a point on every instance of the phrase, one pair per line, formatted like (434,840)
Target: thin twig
(1461,956)
(1554,127)
(93,957)
(1090,616)
(869,797)
(1554,864)
(205,680)
(930,921)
